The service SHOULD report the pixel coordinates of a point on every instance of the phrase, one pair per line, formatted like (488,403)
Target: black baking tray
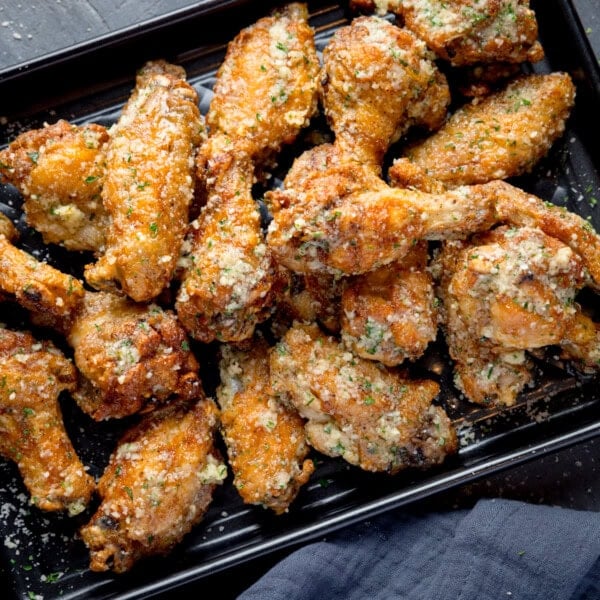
(41,553)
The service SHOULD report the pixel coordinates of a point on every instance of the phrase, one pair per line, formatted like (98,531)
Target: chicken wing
(148,184)
(266,91)
(59,171)
(266,87)
(7,229)
(226,287)
(32,375)
(346,220)
(375,418)
(465,32)
(379,80)
(390,314)
(508,291)
(265,439)
(503,135)
(39,287)
(158,484)
(128,354)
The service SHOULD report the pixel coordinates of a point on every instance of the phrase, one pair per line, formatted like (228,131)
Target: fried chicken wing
(379,80)
(128,354)
(148,184)
(59,171)
(266,87)
(509,291)
(346,220)
(226,287)
(375,418)
(32,375)
(265,439)
(266,91)
(503,135)
(465,32)
(390,314)
(158,484)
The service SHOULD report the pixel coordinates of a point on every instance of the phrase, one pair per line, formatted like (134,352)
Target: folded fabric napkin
(500,549)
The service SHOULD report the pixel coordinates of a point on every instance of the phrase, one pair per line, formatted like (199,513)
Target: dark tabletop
(33,28)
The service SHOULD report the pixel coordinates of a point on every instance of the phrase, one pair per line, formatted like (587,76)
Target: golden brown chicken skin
(7,228)
(59,171)
(312,298)
(465,32)
(158,484)
(390,314)
(266,87)
(54,296)
(130,356)
(32,375)
(344,219)
(503,135)
(148,184)
(265,440)
(509,291)
(374,418)
(226,287)
(379,80)
(266,91)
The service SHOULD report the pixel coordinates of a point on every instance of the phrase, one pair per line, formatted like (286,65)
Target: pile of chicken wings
(317,313)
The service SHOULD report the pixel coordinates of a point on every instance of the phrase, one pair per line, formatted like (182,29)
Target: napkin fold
(498,549)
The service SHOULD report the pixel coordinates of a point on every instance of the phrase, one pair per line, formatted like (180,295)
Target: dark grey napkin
(500,549)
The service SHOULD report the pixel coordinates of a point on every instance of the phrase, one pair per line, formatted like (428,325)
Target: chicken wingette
(379,81)
(265,93)
(265,439)
(157,486)
(148,184)
(32,434)
(377,419)
(59,171)
(503,135)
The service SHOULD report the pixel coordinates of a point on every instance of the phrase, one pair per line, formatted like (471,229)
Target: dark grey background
(30,29)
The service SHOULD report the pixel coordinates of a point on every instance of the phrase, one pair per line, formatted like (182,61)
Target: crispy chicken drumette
(504,135)
(158,484)
(506,292)
(58,169)
(374,418)
(32,375)
(128,354)
(148,184)
(265,439)
(266,91)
